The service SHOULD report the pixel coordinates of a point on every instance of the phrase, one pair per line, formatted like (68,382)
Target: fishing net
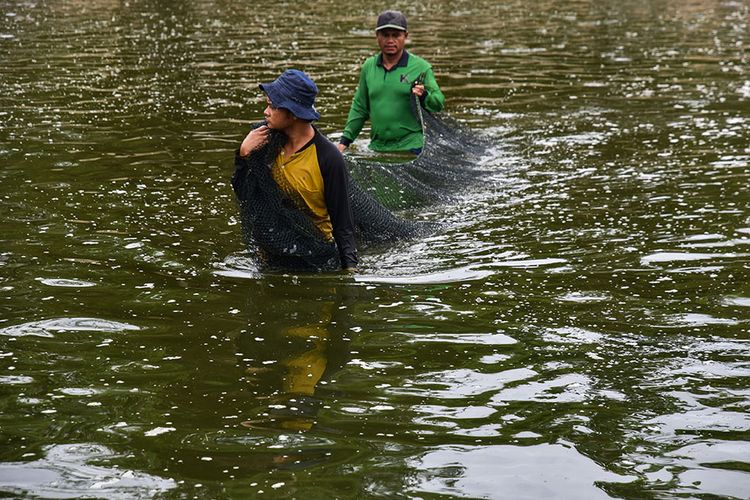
(446,165)
(284,236)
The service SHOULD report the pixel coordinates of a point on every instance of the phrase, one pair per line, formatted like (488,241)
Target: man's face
(277,118)
(391,41)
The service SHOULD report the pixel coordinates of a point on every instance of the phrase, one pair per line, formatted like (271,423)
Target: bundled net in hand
(284,236)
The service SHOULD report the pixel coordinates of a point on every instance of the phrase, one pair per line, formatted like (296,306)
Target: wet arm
(336,193)
(359,112)
(242,182)
(433,100)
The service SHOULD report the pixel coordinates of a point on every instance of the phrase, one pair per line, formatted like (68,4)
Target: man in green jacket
(383,93)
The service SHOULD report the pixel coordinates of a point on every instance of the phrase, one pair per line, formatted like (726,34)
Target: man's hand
(341,147)
(418,90)
(254,140)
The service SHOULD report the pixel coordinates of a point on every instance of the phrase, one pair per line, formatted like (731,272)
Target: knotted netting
(446,165)
(283,235)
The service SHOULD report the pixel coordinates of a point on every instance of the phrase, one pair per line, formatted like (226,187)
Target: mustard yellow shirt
(315,178)
(298,175)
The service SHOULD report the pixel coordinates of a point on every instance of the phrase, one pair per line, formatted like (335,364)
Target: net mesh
(284,236)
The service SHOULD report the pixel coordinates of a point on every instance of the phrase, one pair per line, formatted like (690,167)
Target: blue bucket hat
(295,91)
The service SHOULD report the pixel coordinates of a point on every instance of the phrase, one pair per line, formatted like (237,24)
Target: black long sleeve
(336,193)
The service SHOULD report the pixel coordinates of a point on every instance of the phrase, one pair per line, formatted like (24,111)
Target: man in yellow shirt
(309,169)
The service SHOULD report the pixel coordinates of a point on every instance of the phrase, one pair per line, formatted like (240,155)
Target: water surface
(578,330)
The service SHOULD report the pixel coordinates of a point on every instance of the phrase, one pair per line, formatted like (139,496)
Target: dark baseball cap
(391,19)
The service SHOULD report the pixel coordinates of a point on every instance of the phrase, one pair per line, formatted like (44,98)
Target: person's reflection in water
(295,340)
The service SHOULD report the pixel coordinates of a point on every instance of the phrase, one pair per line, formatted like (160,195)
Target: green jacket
(384,97)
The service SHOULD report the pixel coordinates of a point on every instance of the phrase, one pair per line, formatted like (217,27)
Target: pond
(577,329)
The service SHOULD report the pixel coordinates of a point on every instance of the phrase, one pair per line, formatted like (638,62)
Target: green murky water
(579,329)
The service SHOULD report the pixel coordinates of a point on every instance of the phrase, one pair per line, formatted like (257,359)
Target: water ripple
(525,472)
(48,327)
(65,473)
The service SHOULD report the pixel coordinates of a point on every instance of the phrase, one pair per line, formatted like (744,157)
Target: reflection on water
(47,328)
(66,472)
(294,340)
(530,472)
(578,328)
